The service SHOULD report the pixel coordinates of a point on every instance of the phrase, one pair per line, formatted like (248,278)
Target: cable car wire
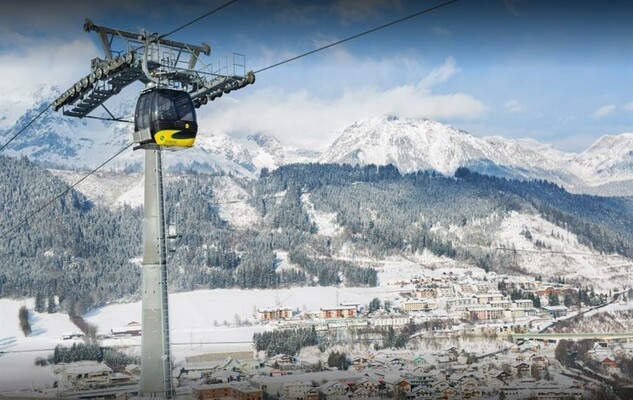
(197,19)
(23,129)
(566,253)
(117,119)
(426,11)
(63,193)
(109,119)
(26,126)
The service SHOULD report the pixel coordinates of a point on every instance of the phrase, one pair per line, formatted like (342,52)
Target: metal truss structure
(151,59)
(130,57)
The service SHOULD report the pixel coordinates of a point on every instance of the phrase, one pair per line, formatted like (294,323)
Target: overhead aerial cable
(18,133)
(62,194)
(25,127)
(347,39)
(425,11)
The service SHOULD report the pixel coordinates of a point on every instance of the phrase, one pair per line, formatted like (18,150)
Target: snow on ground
(134,196)
(232,201)
(108,189)
(613,307)
(578,263)
(284,262)
(201,322)
(325,222)
(394,269)
(554,237)
(262,159)
(17,368)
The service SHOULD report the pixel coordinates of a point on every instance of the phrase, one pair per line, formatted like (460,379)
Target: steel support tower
(152,60)
(155,351)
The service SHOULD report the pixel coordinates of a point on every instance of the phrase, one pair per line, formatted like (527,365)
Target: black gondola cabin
(165,117)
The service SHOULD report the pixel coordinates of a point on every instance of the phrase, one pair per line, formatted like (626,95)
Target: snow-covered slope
(269,152)
(609,159)
(538,247)
(420,144)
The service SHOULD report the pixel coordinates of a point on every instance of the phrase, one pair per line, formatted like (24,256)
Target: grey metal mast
(155,351)
(150,59)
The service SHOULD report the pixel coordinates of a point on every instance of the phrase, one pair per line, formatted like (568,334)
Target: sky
(555,71)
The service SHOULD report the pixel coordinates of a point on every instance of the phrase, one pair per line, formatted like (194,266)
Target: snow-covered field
(201,322)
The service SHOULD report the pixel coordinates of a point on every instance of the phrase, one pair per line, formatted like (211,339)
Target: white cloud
(303,119)
(628,106)
(25,70)
(440,74)
(513,106)
(603,111)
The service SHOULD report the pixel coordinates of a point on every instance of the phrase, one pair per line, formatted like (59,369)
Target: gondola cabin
(165,118)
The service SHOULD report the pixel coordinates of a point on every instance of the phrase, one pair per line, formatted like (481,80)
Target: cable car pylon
(165,119)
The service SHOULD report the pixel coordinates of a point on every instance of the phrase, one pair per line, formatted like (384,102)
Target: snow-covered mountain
(410,144)
(69,143)
(420,144)
(609,159)
(269,152)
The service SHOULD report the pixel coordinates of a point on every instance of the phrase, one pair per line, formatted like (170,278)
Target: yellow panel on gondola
(165,117)
(169,138)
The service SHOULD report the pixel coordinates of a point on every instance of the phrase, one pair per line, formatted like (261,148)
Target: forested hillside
(71,249)
(387,212)
(88,255)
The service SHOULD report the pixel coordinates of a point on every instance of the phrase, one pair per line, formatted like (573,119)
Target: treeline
(289,341)
(91,352)
(89,330)
(329,271)
(67,249)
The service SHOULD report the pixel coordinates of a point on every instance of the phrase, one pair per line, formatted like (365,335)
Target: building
(390,321)
(556,311)
(485,313)
(523,303)
(418,305)
(273,313)
(298,390)
(72,335)
(457,302)
(131,329)
(425,293)
(87,374)
(609,365)
(233,390)
(504,303)
(333,388)
(445,291)
(339,312)
(515,313)
(486,298)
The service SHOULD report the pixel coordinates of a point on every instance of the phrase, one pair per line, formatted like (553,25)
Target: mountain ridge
(422,144)
(604,168)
